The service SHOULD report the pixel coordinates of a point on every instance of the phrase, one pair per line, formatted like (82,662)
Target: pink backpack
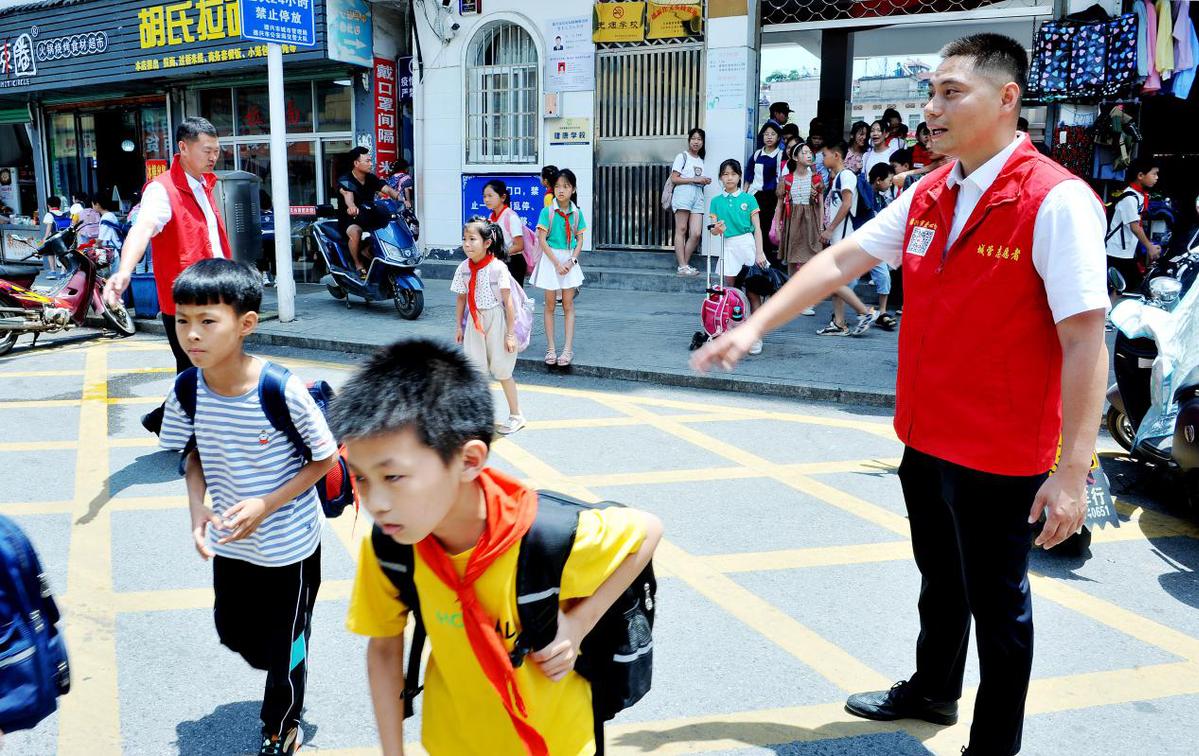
(716,313)
(522,327)
(532,250)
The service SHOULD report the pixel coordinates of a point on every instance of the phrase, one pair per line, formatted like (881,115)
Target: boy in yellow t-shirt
(417,423)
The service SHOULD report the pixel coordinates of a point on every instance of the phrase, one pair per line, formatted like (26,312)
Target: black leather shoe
(152,420)
(901,702)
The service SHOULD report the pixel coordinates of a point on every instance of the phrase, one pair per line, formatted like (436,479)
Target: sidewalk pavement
(628,335)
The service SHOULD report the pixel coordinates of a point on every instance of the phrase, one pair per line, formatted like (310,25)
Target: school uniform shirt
(245,457)
(845,180)
(108,235)
(511,226)
(736,211)
(1064,250)
(461,712)
(555,226)
(1121,241)
(155,204)
(878,157)
(487,297)
(762,173)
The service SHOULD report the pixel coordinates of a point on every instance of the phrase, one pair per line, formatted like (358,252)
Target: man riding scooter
(358,214)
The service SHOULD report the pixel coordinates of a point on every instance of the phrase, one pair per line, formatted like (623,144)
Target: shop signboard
(570,64)
(618,22)
(95,42)
(10,193)
(349,31)
(675,20)
(386,142)
(406,78)
(283,22)
(155,168)
(524,189)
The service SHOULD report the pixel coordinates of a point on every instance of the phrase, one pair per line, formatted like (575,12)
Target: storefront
(94,112)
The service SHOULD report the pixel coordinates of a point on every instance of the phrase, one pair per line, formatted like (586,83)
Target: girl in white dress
(560,231)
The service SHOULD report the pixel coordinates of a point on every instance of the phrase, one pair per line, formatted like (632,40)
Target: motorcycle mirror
(1116,281)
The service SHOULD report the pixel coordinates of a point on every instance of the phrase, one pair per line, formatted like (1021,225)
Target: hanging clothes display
(1185,79)
(1138,10)
(1076,150)
(1165,39)
(1153,83)
(1084,60)
(1183,54)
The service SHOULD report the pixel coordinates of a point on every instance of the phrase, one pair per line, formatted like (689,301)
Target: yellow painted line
(180,599)
(826,658)
(30,446)
(144,346)
(662,477)
(38,403)
(39,373)
(90,716)
(137,371)
(820,556)
(1159,522)
(20,508)
(1116,617)
(136,400)
(582,422)
(873,513)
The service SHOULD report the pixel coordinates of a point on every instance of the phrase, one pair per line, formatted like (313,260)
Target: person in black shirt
(358,213)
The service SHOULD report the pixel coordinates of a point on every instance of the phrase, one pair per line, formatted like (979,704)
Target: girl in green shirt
(560,232)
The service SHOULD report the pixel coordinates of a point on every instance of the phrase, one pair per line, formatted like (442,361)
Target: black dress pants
(153,420)
(971,539)
(265,614)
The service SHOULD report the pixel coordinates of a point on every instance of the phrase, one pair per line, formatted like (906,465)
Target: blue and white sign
(284,22)
(527,196)
(348,29)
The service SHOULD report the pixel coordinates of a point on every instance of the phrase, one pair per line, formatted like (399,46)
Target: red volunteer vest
(979,359)
(184,240)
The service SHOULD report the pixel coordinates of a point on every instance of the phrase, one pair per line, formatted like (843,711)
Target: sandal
(362,273)
(551,357)
(567,356)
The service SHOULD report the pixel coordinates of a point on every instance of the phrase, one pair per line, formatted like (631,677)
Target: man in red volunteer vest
(1001,353)
(178,211)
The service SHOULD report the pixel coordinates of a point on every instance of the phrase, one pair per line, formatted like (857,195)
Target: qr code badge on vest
(920,240)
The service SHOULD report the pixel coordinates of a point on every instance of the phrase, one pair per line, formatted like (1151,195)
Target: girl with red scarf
(485,315)
(560,233)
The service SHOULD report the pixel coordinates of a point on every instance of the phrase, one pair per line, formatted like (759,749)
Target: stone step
(622,279)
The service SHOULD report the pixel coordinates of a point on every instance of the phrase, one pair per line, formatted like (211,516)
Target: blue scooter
(391,271)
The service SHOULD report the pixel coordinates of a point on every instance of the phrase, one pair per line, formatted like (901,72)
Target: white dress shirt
(157,206)
(1067,249)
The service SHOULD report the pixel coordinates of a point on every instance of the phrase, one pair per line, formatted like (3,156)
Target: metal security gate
(646,102)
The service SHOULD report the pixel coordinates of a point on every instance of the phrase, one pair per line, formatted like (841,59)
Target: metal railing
(502,106)
(775,12)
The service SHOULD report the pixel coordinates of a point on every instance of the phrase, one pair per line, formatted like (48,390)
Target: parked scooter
(63,306)
(391,270)
(1154,410)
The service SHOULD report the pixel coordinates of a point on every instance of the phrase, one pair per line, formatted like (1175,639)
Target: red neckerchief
(495,217)
(1136,187)
(566,219)
(510,511)
(475,267)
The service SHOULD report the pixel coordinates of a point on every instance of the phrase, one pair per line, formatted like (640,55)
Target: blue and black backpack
(616,657)
(337,490)
(33,656)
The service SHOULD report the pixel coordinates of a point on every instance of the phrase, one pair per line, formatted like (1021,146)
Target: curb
(530,366)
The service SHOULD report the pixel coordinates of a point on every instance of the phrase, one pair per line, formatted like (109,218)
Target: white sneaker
(686,271)
(756,348)
(515,423)
(811,311)
(865,320)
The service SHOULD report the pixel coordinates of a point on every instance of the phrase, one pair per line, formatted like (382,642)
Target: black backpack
(1110,209)
(616,656)
(33,655)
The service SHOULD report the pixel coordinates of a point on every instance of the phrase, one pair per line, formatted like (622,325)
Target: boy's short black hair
(903,157)
(219,281)
(421,385)
(880,171)
(839,147)
(54,202)
(993,54)
(791,129)
(1140,166)
(891,114)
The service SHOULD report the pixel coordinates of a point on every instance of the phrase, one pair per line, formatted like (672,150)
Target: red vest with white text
(979,359)
(183,241)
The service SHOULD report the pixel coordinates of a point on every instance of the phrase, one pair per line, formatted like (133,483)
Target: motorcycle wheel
(409,302)
(336,291)
(1120,428)
(7,342)
(118,319)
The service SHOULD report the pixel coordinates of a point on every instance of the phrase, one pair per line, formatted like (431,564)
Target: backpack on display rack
(33,655)
(1083,58)
(616,656)
(336,490)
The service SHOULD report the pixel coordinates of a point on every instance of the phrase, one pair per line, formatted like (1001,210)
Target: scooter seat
(19,270)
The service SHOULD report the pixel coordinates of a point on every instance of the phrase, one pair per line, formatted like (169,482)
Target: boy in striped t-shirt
(263,532)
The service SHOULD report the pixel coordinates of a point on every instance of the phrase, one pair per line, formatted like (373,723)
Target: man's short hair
(1140,166)
(218,281)
(881,171)
(903,157)
(356,153)
(421,385)
(839,147)
(190,129)
(994,55)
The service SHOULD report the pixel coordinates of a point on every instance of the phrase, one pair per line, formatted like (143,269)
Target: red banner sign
(386,141)
(155,168)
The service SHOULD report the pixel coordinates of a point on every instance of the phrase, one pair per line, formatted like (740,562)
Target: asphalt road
(786,579)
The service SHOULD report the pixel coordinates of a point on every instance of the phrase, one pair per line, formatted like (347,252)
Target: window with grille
(502,96)
(807,11)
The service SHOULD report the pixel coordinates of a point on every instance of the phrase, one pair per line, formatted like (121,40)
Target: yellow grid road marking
(27,446)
